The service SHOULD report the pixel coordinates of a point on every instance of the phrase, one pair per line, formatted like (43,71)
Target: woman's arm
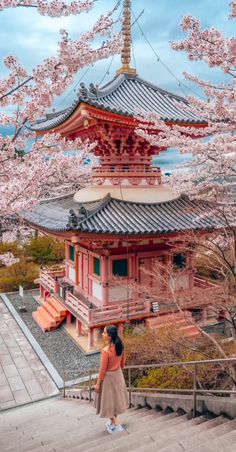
(103,365)
(103,369)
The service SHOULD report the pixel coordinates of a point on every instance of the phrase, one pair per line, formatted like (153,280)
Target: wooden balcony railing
(205,283)
(78,306)
(114,311)
(126,169)
(48,278)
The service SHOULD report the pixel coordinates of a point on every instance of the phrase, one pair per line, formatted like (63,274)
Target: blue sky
(31,37)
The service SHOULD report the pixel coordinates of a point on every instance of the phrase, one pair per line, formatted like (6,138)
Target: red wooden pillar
(56,286)
(67,259)
(78,327)
(80,275)
(91,338)
(191,273)
(68,318)
(104,278)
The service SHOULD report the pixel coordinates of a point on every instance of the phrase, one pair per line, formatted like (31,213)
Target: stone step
(177,436)
(194,441)
(100,441)
(59,425)
(57,420)
(228,440)
(127,418)
(138,432)
(45,407)
(210,434)
(146,436)
(131,423)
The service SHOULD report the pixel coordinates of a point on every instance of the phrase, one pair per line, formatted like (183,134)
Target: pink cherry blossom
(8,259)
(211,172)
(25,97)
(54,8)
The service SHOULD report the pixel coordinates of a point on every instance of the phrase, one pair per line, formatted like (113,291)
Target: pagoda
(115,229)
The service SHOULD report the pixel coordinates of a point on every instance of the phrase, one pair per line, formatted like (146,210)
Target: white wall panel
(97,290)
(72,274)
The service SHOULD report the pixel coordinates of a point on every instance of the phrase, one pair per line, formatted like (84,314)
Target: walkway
(23,377)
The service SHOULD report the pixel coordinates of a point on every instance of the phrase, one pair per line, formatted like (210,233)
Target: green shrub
(165,345)
(171,377)
(13,247)
(45,250)
(22,274)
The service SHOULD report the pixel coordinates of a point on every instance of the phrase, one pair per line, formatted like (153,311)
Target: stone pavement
(23,378)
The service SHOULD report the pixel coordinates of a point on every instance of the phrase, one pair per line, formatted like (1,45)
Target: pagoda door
(85,272)
(149,271)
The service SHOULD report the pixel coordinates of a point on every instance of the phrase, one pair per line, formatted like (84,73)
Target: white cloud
(32,37)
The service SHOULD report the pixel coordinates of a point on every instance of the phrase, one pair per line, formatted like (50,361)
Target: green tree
(22,273)
(45,250)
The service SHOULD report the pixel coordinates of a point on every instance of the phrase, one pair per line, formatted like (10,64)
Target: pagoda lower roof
(113,216)
(127,95)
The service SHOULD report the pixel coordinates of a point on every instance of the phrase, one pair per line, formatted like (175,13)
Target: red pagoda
(126,220)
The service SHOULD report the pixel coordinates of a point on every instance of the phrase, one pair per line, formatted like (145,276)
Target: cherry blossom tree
(26,96)
(212,170)
(211,173)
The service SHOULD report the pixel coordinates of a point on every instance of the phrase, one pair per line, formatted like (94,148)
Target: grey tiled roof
(126,95)
(111,216)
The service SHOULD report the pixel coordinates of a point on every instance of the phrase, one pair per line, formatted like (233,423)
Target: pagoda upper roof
(114,216)
(126,95)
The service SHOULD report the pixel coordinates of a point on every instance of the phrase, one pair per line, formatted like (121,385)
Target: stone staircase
(50,315)
(59,425)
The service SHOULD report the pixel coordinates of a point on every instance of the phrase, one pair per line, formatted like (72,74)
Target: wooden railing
(121,310)
(78,306)
(205,283)
(114,311)
(116,169)
(48,278)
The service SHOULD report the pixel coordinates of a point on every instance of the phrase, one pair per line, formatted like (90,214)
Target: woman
(111,394)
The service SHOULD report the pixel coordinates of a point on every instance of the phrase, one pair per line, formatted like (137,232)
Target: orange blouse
(110,361)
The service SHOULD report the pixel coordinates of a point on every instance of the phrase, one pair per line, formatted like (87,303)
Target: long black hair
(115,339)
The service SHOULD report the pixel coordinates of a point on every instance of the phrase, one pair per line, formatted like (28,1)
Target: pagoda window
(120,267)
(96,266)
(179,260)
(71,253)
(118,143)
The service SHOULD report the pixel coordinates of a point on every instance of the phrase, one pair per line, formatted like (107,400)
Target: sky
(31,37)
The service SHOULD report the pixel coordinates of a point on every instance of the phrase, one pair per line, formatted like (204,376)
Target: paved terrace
(23,377)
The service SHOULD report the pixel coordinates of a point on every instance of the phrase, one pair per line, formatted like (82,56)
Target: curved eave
(64,234)
(87,112)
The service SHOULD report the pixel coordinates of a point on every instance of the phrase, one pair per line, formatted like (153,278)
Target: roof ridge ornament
(126,31)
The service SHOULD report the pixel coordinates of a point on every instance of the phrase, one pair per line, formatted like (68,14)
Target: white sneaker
(119,428)
(111,428)
(108,423)
(115,428)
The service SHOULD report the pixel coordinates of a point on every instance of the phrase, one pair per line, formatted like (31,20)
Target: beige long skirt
(112,398)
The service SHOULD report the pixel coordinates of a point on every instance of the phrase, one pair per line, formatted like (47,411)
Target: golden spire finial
(126,31)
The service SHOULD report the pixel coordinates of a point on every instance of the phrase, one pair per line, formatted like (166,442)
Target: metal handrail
(194,391)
